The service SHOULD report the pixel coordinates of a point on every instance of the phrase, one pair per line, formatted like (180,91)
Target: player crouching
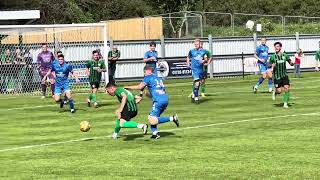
(281,79)
(128,109)
(62,71)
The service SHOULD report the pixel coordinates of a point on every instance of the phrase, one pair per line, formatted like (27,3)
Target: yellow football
(85,126)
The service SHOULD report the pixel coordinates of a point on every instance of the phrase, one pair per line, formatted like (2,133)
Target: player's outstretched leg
(270,83)
(203,88)
(196,92)
(71,102)
(128,124)
(286,96)
(154,121)
(44,90)
(260,81)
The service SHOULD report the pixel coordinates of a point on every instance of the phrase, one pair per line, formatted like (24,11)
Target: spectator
(298,56)
(6,58)
(28,85)
(317,57)
(151,57)
(18,59)
(113,57)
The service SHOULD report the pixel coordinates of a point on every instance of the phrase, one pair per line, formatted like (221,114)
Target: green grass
(245,137)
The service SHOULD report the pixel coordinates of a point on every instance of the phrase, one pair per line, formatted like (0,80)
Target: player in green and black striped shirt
(95,67)
(278,61)
(127,110)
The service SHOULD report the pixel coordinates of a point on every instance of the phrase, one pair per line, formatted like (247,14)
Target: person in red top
(298,56)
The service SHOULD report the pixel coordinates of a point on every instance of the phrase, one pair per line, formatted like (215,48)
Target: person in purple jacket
(45,60)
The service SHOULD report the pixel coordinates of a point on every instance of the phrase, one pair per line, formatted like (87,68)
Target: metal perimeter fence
(233,56)
(199,24)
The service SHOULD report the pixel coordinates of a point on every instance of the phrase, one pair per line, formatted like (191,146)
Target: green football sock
(130,124)
(203,88)
(117,126)
(94,97)
(286,97)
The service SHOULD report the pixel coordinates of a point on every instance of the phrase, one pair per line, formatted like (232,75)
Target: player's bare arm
(137,87)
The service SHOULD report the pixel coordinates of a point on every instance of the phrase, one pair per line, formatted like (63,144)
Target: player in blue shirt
(159,97)
(62,71)
(151,57)
(262,55)
(197,58)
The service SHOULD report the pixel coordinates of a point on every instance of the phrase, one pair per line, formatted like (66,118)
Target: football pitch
(232,134)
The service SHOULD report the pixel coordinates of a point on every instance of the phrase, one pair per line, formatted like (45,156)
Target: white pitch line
(169,130)
(51,105)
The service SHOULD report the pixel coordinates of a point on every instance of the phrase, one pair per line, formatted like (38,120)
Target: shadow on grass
(281,105)
(136,136)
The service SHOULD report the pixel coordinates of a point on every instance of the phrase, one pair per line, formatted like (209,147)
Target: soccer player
(62,71)
(159,97)
(262,55)
(151,57)
(278,61)
(45,60)
(128,109)
(94,70)
(197,57)
(317,57)
(208,58)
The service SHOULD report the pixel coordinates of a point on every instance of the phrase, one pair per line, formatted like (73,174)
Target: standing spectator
(151,57)
(27,85)
(45,60)
(18,56)
(298,56)
(6,58)
(317,57)
(113,57)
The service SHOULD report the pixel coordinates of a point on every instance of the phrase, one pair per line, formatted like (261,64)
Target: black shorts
(278,83)
(94,85)
(128,115)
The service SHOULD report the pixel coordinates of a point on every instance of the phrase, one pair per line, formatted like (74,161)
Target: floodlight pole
(105,52)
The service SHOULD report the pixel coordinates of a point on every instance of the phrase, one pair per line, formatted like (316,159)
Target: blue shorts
(158,108)
(59,88)
(197,75)
(263,68)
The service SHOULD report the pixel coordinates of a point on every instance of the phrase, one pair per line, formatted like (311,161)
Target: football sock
(52,89)
(260,81)
(117,126)
(71,103)
(44,89)
(154,128)
(286,97)
(90,97)
(163,119)
(196,91)
(270,83)
(130,124)
(203,88)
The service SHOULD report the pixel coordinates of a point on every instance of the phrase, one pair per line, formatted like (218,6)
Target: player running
(151,57)
(62,71)
(160,100)
(94,70)
(197,56)
(128,109)
(44,61)
(278,61)
(262,55)
(208,58)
